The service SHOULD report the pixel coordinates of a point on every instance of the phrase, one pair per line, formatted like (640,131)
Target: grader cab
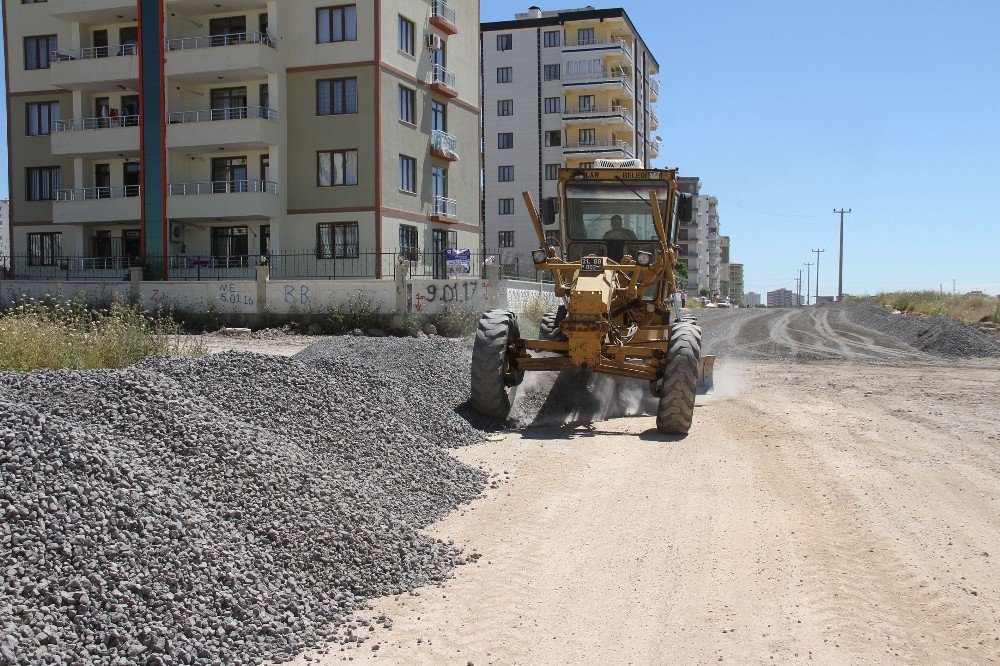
(612,267)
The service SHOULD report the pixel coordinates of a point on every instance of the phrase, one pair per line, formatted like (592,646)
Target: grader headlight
(644,258)
(539,256)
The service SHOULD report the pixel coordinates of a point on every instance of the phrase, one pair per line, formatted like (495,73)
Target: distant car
(724,303)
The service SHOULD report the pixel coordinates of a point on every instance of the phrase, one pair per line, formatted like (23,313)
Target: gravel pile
(938,335)
(227,509)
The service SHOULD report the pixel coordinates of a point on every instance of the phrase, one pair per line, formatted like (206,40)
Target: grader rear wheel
(680,380)
(550,327)
(493,379)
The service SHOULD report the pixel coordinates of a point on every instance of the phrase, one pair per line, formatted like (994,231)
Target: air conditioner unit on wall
(176,232)
(433,42)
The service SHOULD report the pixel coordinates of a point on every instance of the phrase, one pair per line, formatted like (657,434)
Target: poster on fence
(459,263)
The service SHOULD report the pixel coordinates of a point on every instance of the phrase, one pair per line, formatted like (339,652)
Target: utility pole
(808,280)
(840,278)
(817,274)
(798,289)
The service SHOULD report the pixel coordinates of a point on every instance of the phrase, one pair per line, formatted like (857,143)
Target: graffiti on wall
(237,295)
(436,295)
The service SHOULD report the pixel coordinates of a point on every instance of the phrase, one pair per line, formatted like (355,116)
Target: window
(336,24)
(505,174)
(41,116)
(505,42)
(337,240)
(439,116)
(230,241)
(585,36)
(551,72)
(42,183)
(553,104)
(586,165)
(227,30)
(439,180)
(553,138)
(229,103)
(506,206)
(586,102)
(552,38)
(44,249)
(37,51)
(505,140)
(407,174)
(408,247)
(406,35)
(505,74)
(551,172)
(505,107)
(32,2)
(506,239)
(336,96)
(337,167)
(588,137)
(407,105)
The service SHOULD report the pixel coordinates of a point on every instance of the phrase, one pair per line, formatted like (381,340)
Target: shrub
(454,321)
(360,311)
(53,335)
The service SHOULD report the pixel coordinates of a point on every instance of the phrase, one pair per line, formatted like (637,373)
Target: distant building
(752,299)
(735,283)
(825,299)
(783,298)
(4,233)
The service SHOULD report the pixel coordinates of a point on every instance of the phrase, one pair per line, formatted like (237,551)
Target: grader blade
(706,381)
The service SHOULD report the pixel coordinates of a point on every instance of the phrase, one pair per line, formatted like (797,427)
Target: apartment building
(783,298)
(561,88)
(752,299)
(735,291)
(193,132)
(4,235)
(687,235)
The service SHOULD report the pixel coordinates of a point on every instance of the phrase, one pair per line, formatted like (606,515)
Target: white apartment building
(4,235)
(752,299)
(561,88)
(196,134)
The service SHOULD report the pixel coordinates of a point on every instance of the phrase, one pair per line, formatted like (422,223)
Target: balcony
(213,58)
(202,7)
(242,128)
(596,148)
(653,148)
(615,115)
(654,89)
(443,81)
(93,12)
(444,146)
(96,69)
(614,47)
(654,120)
(445,210)
(603,80)
(443,17)
(235,200)
(97,204)
(96,137)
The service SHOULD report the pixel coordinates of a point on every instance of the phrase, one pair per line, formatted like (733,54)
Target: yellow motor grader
(612,265)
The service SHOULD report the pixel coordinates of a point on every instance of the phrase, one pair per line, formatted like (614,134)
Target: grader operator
(621,315)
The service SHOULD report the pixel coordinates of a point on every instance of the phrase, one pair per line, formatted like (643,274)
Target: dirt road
(833,511)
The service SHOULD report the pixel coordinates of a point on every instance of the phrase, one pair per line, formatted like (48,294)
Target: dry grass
(969,308)
(52,335)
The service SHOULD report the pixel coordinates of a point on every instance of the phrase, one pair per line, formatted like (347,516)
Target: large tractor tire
(551,327)
(680,380)
(492,388)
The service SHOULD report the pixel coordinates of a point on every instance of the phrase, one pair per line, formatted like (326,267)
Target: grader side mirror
(550,206)
(685,209)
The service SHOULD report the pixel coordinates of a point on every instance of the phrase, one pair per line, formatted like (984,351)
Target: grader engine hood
(586,324)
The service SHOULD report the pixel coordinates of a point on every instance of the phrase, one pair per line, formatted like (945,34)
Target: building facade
(735,292)
(752,299)
(560,89)
(191,132)
(783,298)
(4,235)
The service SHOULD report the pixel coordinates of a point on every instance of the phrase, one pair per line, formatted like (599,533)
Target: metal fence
(345,264)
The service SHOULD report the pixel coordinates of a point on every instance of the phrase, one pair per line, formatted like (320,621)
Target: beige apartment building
(561,88)
(201,134)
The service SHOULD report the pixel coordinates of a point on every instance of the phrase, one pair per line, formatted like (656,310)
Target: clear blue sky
(788,109)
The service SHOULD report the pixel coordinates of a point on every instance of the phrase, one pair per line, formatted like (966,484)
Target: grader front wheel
(492,384)
(680,380)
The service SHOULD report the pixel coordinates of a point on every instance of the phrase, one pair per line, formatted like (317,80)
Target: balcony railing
(654,118)
(601,147)
(211,115)
(443,10)
(82,124)
(624,112)
(223,187)
(654,87)
(623,45)
(442,142)
(93,193)
(444,207)
(96,52)
(603,76)
(443,76)
(210,41)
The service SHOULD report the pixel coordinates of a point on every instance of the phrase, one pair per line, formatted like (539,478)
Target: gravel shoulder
(828,511)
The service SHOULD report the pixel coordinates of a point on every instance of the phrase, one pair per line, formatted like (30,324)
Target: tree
(705,292)
(681,274)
